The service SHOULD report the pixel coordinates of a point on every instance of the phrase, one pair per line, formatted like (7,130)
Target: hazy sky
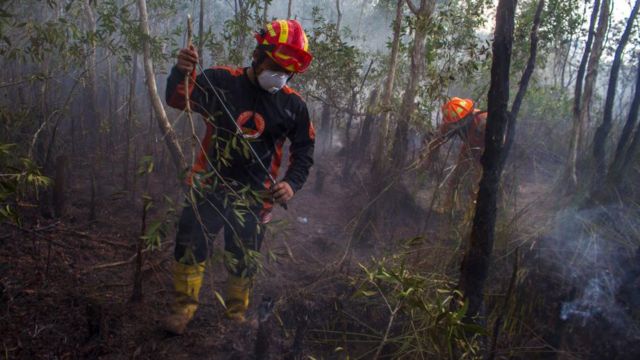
(621,9)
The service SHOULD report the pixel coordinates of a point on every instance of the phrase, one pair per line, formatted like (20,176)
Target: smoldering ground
(592,265)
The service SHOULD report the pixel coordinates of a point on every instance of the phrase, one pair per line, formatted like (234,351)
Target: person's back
(462,120)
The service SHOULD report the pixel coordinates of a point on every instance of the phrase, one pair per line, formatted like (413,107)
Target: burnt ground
(66,283)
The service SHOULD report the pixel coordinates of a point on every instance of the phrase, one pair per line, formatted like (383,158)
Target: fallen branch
(86,236)
(117,263)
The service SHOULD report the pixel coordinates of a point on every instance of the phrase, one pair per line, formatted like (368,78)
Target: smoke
(591,251)
(598,298)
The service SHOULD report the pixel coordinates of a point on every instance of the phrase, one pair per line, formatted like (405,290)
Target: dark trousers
(199,225)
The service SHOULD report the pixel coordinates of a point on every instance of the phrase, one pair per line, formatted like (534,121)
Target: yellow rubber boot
(187,280)
(237,297)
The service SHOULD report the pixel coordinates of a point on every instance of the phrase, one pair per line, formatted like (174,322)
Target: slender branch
(388,330)
(187,109)
(412,7)
(168,133)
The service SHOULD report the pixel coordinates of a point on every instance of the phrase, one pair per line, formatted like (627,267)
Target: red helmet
(285,42)
(456,109)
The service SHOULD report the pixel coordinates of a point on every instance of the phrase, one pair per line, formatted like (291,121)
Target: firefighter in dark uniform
(233,177)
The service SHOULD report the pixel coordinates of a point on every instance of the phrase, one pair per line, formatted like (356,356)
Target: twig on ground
(117,263)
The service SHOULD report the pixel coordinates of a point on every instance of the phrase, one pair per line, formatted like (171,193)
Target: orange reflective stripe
(284,32)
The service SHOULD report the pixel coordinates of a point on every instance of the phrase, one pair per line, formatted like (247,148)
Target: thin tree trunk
(161,116)
(339,18)
(423,17)
(619,166)
(577,97)
(477,259)
(592,72)
(379,162)
(130,119)
(347,128)
(265,11)
(524,81)
(600,138)
(346,170)
(367,126)
(531,64)
(632,151)
(93,124)
(59,186)
(109,142)
(325,126)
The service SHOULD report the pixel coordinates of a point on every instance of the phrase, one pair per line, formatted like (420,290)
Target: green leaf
(220,298)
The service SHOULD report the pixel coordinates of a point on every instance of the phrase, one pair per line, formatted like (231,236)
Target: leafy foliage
(421,313)
(432,316)
(20,178)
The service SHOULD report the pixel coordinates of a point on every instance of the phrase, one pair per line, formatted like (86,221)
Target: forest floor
(66,283)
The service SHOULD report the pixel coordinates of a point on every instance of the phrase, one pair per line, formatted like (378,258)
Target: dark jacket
(267,120)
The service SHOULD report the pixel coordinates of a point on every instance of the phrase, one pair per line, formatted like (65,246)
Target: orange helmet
(456,109)
(285,42)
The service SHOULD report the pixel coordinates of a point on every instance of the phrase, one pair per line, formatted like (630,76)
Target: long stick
(187,108)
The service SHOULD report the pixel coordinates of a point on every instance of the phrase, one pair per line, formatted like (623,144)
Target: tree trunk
(109,145)
(577,97)
(592,71)
(242,17)
(93,124)
(620,163)
(365,225)
(600,138)
(347,128)
(339,17)
(476,261)
(348,160)
(161,116)
(526,76)
(367,125)
(632,151)
(59,186)
(423,17)
(531,63)
(325,126)
(380,148)
(130,119)
(265,11)
(136,293)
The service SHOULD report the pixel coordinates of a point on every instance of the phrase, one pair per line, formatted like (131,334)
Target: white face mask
(272,81)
